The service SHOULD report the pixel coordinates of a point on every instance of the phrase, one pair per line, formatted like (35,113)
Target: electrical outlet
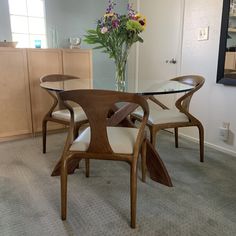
(225,125)
(203,33)
(224,134)
(224,131)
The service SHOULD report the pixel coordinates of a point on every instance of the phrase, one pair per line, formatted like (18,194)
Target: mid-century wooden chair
(61,115)
(101,141)
(175,118)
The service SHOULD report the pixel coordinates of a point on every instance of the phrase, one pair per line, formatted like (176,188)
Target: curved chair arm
(72,127)
(184,101)
(57,77)
(55,102)
(142,133)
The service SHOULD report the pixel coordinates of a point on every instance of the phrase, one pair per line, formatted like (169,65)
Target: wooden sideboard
(23,103)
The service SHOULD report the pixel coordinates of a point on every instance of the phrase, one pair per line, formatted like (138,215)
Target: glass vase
(120,76)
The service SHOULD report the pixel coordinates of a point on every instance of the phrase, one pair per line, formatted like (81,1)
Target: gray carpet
(202,201)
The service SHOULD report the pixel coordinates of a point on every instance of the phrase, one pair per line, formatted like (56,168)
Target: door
(159,55)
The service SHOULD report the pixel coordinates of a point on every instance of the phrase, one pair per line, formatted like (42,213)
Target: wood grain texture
(79,63)
(15,109)
(182,104)
(42,62)
(97,108)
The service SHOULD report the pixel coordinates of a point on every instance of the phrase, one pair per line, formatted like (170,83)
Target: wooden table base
(155,166)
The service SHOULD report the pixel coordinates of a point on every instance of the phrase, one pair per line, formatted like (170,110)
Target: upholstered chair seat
(121,140)
(163,116)
(65,114)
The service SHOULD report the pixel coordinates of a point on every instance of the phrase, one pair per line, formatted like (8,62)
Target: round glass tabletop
(162,87)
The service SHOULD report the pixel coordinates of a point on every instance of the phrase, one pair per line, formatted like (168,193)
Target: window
(28,22)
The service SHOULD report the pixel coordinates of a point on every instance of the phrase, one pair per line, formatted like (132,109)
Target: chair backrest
(56,77)
(97,105)
(54,94)
(184,101)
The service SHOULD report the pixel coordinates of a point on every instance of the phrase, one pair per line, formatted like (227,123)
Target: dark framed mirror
(226,73)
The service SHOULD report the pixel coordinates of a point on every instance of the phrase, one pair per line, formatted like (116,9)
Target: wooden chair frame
(97,105)
(183,106)
(56,101)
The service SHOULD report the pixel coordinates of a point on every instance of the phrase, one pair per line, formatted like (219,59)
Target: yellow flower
(109,14)
(142,21)
(137,16)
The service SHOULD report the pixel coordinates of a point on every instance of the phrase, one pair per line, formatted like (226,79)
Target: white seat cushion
(65,114)
(164,116)
(121,139)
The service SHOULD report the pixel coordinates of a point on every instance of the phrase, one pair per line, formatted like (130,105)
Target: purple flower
(131,12)
(115,23)
(111,6)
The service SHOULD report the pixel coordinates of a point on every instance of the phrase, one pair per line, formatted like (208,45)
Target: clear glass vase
(121,76)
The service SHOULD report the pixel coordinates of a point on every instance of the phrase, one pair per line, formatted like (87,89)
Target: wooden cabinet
(23,103)
(79,64)
(15,118)
(42,62)
(75,62)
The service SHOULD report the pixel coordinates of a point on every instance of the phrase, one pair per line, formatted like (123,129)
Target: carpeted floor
(202,201)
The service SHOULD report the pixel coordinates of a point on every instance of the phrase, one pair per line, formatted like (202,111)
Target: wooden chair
(61,115)
(100,141)
(175,118)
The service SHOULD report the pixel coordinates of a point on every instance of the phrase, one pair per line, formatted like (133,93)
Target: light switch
(203,34)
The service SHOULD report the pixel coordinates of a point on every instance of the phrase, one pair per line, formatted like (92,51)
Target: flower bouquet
(115,34)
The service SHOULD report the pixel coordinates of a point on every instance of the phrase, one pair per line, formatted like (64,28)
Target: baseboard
(211,145)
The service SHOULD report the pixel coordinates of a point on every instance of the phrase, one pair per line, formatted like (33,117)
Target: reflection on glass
(230,55)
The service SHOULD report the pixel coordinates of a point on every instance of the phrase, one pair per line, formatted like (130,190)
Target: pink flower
(104,30)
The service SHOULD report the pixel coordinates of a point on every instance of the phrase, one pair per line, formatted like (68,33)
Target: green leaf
(98,47)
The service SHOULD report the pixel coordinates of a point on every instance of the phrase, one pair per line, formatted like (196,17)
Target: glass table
(162,87)
(155,165)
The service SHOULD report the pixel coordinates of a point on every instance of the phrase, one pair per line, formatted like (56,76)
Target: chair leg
(63,190)
(176,138)
(132,119)
(153,136)
(201,141)
(143,159)
(75,135)
(44,130)
(76,131)
(133,192)
(87,167)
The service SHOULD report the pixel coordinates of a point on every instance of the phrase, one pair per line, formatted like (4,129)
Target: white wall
(73,18)
(214,103)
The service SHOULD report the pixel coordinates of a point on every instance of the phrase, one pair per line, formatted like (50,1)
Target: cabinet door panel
(42,62)
(78,62)
(15,118)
